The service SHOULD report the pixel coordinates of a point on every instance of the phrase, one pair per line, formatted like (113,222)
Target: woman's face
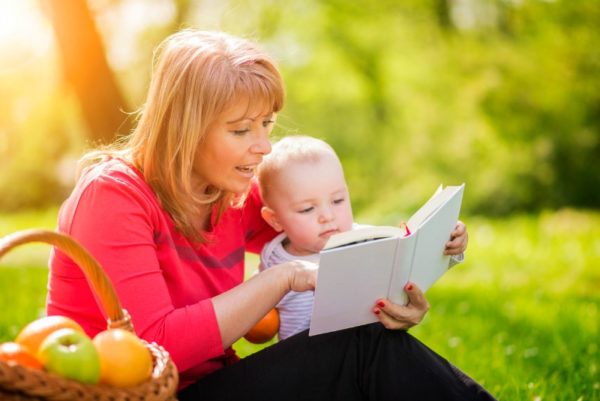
(234,146)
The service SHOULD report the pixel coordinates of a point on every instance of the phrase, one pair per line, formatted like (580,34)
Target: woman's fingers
(402,317)
(303,275)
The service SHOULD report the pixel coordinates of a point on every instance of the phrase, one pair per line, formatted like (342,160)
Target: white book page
(429,262)
(404,255)
(363,233)
(440,197)
(350,281)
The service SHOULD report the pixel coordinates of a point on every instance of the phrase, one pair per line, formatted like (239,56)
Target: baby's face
(311,204)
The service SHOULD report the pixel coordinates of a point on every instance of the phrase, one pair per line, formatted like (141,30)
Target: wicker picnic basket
(20,383)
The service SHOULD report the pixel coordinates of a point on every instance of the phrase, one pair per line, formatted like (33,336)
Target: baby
(306,198)
(305,194)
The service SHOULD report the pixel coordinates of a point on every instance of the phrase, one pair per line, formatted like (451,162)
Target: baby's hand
(458,240)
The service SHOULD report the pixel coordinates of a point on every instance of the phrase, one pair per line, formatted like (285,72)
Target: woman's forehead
(247,108)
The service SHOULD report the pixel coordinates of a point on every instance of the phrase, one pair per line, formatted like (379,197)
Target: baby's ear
(270,217)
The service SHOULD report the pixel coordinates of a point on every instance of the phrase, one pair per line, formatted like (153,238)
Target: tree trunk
(86,70)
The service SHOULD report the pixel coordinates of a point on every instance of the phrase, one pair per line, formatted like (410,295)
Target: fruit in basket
(70,353)
(265,329)
(15,353)
(32,335)
(125,360)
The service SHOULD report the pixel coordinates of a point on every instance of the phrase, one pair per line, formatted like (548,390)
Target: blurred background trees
(501,94)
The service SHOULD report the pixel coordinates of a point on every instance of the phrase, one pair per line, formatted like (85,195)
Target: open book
(360,266)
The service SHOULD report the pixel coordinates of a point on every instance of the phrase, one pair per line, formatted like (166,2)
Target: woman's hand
(458,240)
(239,308)
(302,275)
(399,317)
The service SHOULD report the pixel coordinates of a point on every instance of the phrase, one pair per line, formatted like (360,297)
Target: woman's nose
(262,144)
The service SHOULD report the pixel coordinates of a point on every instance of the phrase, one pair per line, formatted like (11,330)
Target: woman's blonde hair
(197,75)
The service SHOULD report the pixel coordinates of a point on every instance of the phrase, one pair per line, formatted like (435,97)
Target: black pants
(364,363)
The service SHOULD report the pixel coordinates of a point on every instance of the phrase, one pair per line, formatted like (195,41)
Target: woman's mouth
(247,170)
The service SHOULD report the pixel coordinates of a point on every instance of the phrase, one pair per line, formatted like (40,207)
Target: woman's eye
(268,122)
(240,132)
(306,210)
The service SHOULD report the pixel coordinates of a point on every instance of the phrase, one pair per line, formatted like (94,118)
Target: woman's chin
(239,189)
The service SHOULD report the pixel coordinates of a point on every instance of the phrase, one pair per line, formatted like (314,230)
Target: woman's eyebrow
(240,119)
(243,118)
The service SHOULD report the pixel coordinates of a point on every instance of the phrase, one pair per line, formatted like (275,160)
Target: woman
(169,214)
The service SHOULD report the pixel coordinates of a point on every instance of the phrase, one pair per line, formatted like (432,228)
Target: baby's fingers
(459,239)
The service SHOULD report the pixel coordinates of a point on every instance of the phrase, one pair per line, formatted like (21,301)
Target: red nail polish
(409,287)
(376,311)
(380,304)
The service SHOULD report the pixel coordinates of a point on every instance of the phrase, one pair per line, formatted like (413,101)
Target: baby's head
(305,193)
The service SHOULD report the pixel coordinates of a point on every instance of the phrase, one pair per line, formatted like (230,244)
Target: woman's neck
(204,218)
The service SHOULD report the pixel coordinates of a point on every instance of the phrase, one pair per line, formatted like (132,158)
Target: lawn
(521,315)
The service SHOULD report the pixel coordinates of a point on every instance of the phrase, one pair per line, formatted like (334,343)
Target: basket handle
(101,285)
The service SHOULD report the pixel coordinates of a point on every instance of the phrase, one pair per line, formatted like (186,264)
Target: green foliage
(502,95)
(35,150)
(520,315)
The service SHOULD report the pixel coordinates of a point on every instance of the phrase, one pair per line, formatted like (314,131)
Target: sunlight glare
(123,23)
(25,34)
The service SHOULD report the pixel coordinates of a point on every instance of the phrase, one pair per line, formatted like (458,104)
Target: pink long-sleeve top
(162,279)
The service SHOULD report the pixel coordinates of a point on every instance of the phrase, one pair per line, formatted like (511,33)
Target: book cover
(360,266)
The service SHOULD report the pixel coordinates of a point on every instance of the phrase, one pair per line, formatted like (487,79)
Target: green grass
(23,273)
(521,315)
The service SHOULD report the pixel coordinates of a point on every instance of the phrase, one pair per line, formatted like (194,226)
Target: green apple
(71,354)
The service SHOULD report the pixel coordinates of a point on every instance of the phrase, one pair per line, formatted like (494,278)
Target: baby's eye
(306,210)
(338,201)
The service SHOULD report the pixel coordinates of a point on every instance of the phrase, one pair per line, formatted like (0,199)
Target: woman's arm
(240,308)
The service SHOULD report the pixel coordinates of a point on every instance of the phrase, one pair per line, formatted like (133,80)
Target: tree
(86,69)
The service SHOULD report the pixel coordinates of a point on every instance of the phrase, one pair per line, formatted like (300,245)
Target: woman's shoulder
(112,169)
(115,175)
(110,187)
(113,180)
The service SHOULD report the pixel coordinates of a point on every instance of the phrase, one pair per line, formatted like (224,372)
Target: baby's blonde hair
(197,75)
(295,148)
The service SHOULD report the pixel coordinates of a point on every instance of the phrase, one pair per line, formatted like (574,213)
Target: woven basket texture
(18,383)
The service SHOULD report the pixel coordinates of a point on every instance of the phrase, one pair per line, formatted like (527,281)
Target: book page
(363,233)
(350,281)
(440,197)
(429,262)
(402,267)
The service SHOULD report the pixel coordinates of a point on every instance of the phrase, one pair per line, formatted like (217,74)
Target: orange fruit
(32,335)
(14,353)
(124,359)
(265,329)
